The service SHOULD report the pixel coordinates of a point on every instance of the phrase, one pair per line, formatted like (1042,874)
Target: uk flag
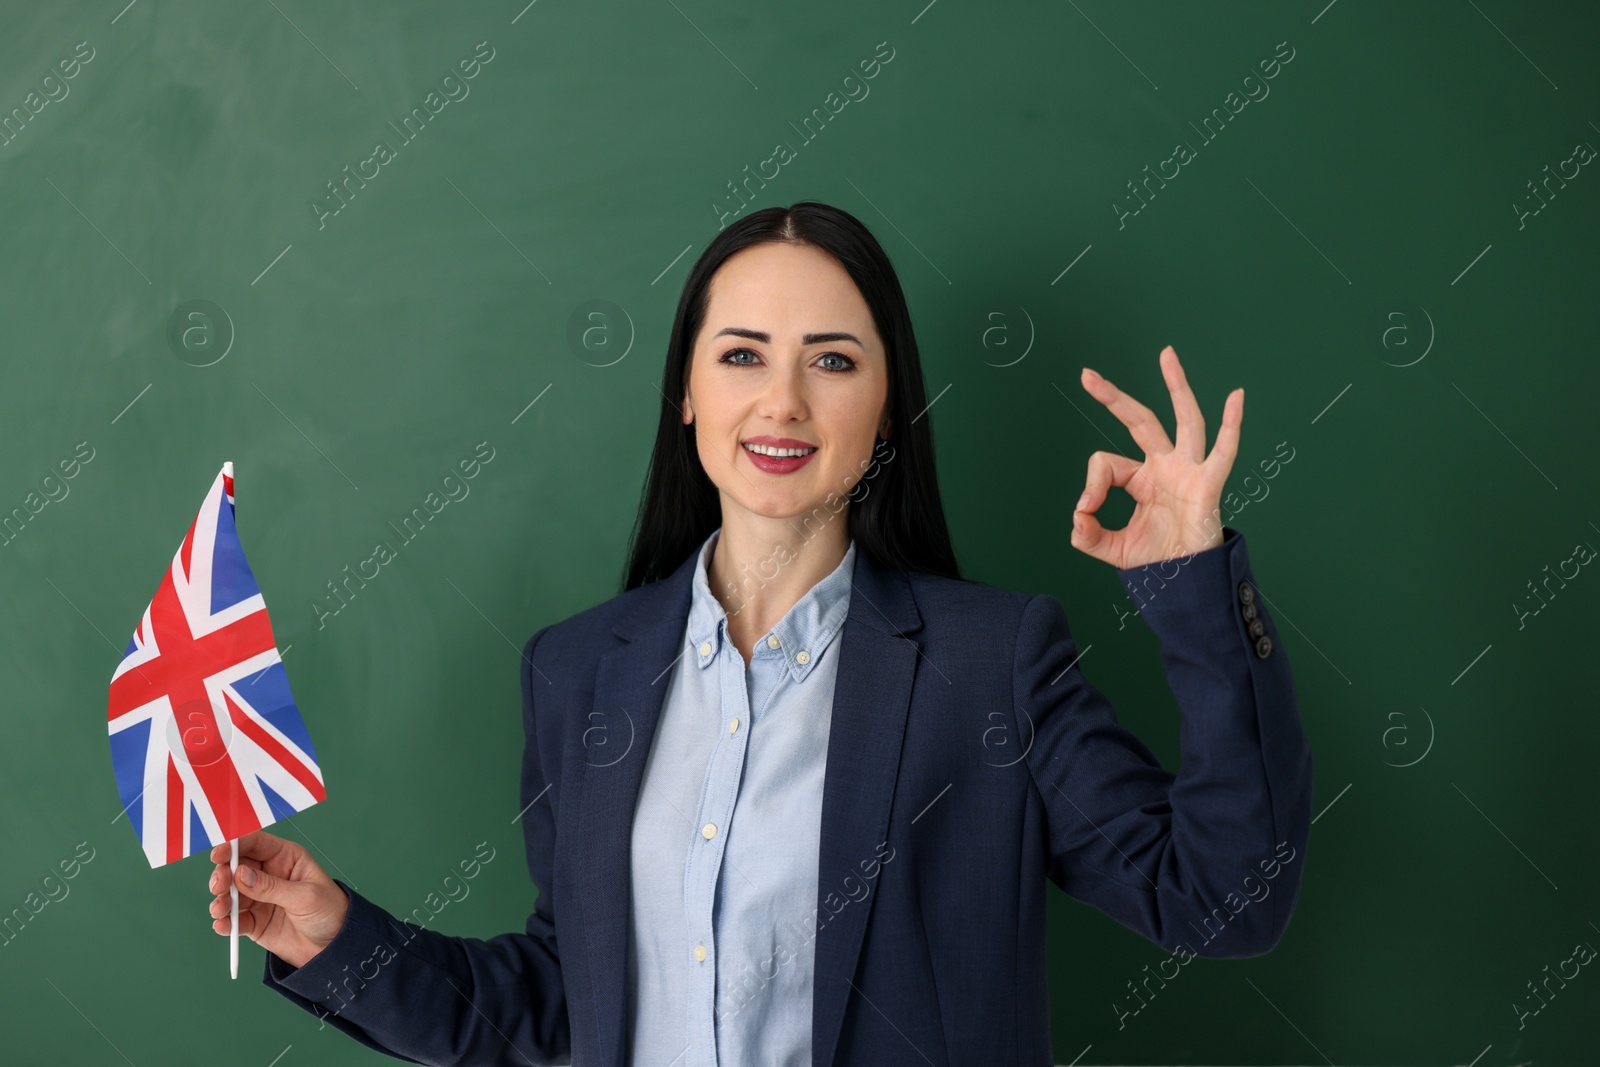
(206,741)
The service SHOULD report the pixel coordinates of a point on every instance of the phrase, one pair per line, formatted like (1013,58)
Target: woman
(792,796)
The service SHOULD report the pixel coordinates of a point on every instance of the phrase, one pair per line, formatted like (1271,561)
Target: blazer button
(1257,627)
(1263,646)
(1248,610)
(1247,592)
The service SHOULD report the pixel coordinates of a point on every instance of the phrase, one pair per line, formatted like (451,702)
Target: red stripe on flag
(219,777)
(185,551)
(270,745)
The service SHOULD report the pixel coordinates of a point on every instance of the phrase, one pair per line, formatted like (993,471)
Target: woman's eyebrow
(808,339)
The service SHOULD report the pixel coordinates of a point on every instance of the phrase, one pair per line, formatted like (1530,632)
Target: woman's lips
(775,465)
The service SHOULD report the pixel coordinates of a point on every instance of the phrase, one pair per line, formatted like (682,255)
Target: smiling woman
(816,368)
(787,738)
(793,335)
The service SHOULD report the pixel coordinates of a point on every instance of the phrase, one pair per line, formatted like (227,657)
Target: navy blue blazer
(969,761)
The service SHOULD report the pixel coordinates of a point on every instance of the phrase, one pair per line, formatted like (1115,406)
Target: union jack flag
(206,741)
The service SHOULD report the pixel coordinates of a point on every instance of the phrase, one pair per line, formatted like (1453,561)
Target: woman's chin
(795,506)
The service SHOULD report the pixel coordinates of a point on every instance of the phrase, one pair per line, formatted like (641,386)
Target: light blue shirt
(725,837)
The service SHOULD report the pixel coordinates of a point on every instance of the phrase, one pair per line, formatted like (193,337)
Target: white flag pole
(233,892)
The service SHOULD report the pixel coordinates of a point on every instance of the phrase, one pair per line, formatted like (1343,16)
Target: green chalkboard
(348,247)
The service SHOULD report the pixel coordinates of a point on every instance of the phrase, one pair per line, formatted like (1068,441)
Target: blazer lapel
(872,695)
(630,689)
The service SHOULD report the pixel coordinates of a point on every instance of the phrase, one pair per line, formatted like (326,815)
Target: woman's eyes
(847,366)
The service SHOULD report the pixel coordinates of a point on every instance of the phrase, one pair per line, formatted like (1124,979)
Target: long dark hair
(895,514)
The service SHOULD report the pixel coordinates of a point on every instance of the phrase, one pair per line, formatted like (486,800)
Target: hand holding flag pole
(206,741)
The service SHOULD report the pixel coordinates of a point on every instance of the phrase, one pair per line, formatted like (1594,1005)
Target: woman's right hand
(292,910)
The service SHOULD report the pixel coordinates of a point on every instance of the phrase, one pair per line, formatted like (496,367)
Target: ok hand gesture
(1177,489)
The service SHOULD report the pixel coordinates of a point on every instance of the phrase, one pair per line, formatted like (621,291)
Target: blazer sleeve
(426,997)
(1209,857)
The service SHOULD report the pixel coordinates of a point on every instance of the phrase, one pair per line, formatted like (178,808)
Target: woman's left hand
(1177,489)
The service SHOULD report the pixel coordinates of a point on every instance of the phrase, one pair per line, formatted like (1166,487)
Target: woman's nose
(784,395)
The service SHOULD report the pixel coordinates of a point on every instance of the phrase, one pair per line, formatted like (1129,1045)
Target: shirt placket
(704,867)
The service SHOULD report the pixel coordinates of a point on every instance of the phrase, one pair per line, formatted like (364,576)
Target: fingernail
(247,875)
(1083,502)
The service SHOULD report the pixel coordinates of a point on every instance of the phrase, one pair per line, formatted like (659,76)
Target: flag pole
(233,892)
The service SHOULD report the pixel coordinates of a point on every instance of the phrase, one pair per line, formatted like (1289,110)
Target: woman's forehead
(786,296)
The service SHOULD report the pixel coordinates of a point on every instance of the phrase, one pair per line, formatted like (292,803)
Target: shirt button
(705,648)
(802,657)
(772,641)
(708,831)
(700,953)
(733,727)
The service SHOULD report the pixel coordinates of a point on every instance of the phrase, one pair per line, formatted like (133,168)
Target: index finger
(1141,422)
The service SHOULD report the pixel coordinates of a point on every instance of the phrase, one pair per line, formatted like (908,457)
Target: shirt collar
(808,627)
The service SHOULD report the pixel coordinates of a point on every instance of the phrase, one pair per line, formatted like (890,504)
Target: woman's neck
(759,570)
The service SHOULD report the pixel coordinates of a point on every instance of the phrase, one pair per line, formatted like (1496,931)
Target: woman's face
(788,355)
